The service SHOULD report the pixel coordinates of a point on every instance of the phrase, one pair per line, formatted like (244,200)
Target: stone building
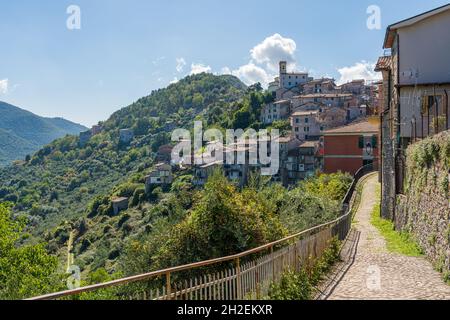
(96,129)
(323,85)
(279,110)
(160,176)
(415,90)
(290,80)
(300,163)
(119,204)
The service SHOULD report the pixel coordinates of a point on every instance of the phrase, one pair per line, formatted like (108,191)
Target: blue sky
(125,49)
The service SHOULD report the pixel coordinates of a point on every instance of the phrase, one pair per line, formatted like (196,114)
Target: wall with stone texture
(424,208)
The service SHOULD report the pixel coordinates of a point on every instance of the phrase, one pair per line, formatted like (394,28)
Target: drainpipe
(446,109)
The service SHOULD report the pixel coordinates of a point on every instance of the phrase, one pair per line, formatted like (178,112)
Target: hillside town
(317,110)
(221,186)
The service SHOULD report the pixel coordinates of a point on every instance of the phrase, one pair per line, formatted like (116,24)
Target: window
(321,128)
(297,120)
(361,142)
(374,142)
(306,120)
(434,114)
(296,129)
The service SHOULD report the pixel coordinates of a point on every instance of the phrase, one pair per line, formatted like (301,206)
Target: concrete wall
(424,51)
(424,209)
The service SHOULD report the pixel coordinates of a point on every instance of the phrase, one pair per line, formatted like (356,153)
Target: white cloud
(181,63)
(4,86)
(265,59)
(158,61)
(225,70)
(175,80)
(199,68)
(360,70)
(251,73)
(274,49)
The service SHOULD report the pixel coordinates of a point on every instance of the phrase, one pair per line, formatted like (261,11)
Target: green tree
(223,221)
(25,271)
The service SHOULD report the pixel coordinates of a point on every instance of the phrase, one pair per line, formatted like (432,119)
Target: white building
(291,79)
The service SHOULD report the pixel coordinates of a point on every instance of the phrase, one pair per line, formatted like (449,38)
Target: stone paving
(373,273)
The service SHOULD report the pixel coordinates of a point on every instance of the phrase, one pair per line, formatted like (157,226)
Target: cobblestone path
(371,272)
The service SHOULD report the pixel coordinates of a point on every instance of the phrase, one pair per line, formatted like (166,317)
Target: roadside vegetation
(396,242)
(302,285)
(27,270)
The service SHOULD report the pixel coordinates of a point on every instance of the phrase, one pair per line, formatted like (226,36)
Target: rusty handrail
(236,257)
(164,272)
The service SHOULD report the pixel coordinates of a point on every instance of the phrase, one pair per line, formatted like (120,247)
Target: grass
(396,242)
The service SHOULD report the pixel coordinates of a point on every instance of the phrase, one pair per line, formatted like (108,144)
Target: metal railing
(247,275)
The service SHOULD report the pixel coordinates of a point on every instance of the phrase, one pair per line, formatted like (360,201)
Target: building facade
(348,148)
(416,85)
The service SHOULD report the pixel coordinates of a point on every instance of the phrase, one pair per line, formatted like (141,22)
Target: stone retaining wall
(424,209)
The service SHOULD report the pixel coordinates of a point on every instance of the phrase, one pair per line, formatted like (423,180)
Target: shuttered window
(361,142)
(374,141)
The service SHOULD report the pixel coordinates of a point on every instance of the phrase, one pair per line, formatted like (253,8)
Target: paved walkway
(374,273)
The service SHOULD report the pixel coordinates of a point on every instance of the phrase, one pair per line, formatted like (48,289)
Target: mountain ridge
(23,132)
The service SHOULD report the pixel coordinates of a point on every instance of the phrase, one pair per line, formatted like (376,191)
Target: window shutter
(374,141)
(361,142)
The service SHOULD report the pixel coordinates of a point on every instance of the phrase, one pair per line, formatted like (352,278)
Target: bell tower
(283,66)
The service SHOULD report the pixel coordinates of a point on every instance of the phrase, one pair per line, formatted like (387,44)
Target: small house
(126,135)
(160,176)
(119,204)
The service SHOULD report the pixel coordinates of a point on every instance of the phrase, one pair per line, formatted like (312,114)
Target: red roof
(364,126)
(384,63)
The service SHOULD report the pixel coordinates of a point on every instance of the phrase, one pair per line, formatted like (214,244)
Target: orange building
(350,147)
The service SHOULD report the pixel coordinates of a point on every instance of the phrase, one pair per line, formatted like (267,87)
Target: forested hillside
(23,133)
(61,183)
(65,189)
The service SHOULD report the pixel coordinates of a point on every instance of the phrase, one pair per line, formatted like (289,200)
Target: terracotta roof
(309,144)
(282,102)
(305,113)
(384,63)
(322,80)
(325,95)
(364,126)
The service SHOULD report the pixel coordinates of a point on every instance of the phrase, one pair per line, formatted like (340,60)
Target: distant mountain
(23,133)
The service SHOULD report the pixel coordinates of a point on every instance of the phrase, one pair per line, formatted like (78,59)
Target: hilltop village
(332,128)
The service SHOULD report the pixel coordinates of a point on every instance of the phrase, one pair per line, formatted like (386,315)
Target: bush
(25,271)
(301,285)
(223,221)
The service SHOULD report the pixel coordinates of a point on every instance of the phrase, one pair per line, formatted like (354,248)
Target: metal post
(273,263)
(168,287)
(238,279)
(258,286)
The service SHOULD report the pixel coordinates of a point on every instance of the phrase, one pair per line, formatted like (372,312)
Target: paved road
(378,274)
